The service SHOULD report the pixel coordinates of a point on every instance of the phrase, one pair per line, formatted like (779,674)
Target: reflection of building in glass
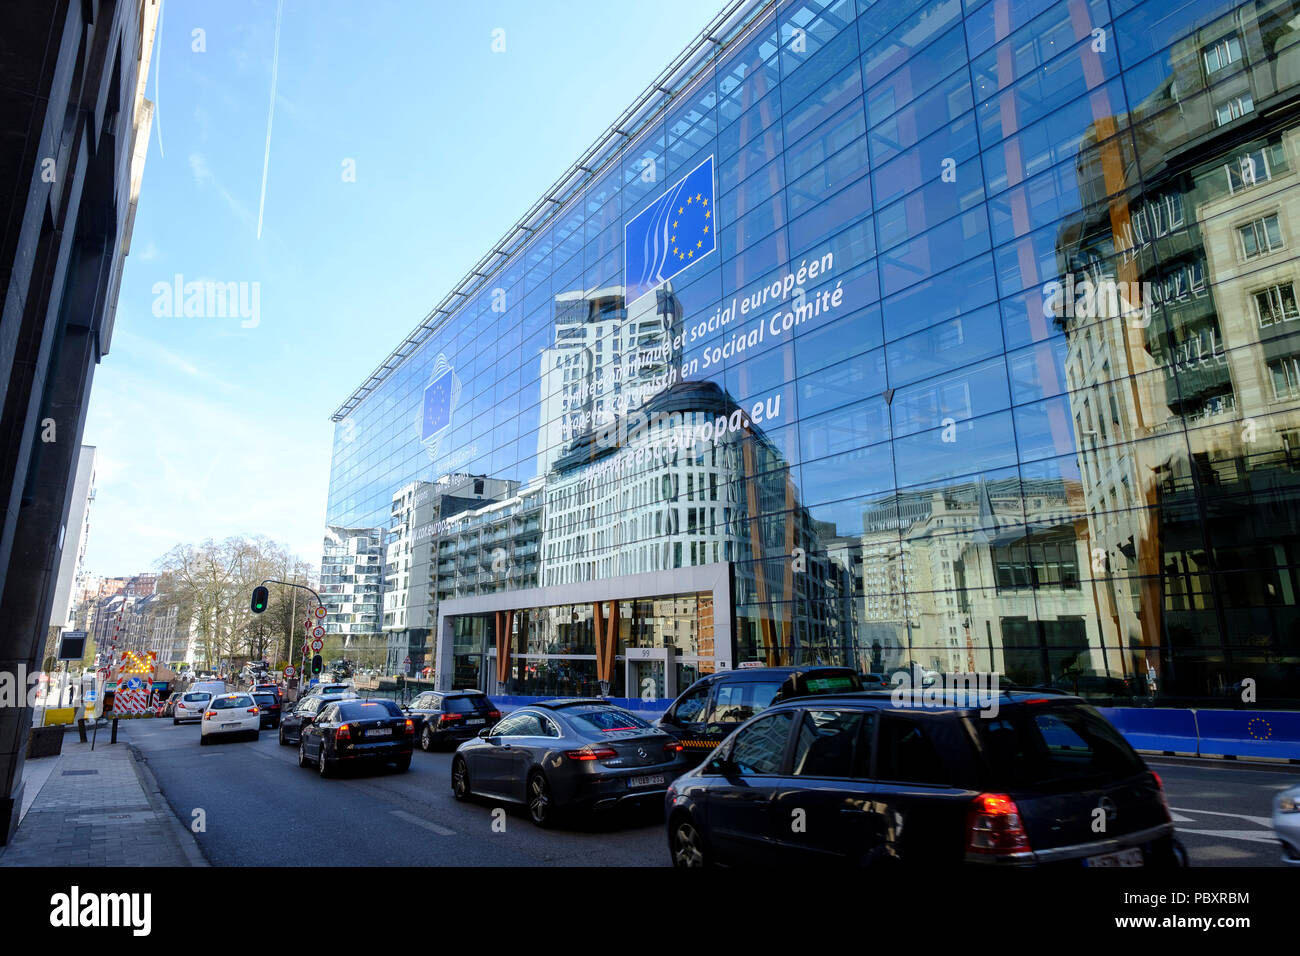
(351,581)
(1184,416)
(1047,427)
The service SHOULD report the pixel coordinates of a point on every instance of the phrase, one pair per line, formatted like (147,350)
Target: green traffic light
(260,597)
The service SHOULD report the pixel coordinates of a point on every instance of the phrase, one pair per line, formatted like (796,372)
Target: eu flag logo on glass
(437,406)
(673,233)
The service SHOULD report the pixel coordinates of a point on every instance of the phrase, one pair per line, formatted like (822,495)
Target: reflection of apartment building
(607,359)
(351,581)
(1185,411)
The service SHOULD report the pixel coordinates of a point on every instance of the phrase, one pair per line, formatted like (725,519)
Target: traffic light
(316,664)
(260,597)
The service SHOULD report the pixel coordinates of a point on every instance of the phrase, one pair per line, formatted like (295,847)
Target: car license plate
(380,732)
(471,723)
(645,781)
(229,726)
(1129,857)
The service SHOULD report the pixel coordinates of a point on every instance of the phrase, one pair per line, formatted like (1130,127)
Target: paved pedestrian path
(98,807)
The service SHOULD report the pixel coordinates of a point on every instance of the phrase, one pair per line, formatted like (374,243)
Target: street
(259,807)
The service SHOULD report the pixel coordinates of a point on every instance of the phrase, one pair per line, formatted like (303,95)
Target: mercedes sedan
(559,756)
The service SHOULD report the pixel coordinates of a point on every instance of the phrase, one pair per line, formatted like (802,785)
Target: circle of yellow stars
(699,244)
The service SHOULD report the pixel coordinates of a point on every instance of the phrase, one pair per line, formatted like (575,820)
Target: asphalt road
(259,807)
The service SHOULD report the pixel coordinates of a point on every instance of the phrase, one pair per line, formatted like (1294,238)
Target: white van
(214,687)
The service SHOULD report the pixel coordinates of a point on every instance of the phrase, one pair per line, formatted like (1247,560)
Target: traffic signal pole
(259,605)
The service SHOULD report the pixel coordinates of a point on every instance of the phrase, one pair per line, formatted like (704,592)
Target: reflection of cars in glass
(559,756)
(880,782)
(1094,685)
(1286,824)
(451,717)
(717,704)
(230,715)
(355,731)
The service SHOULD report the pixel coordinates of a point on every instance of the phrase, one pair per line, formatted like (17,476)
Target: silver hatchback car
(563,755)
(1286,823)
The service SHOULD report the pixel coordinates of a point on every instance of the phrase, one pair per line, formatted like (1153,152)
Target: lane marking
(419,822)
(1262,821)
(1251,836)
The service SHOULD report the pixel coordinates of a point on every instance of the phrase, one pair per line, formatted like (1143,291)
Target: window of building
(1222,54)
(1235,108)
(1248,170)
(1276,304)
(1260,236)
(1286,377)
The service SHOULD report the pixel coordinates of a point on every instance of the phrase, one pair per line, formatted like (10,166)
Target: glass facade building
(986,363)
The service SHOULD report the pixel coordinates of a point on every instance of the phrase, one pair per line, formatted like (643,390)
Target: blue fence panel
(1247,733)
(1148,728)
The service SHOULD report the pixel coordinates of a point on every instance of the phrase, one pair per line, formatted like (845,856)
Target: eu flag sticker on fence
(673,233)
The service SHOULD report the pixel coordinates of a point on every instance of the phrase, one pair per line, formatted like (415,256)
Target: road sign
(320,611)
(318,633)
(289,672)
(407,662)
(318,645)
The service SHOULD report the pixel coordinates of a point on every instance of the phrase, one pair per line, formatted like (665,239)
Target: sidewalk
(97,808)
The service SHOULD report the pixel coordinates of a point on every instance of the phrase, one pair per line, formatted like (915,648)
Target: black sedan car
(715,705)
(269,705)
(451,717)
(293,721)
(858,779)
(355,731)
(559,756)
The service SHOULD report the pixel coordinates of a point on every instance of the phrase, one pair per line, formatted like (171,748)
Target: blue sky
(209,426)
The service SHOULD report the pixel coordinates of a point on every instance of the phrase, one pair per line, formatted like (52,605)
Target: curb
(188,844)
(1276,765)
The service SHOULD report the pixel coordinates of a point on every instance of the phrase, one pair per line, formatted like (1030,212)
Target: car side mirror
(484,732)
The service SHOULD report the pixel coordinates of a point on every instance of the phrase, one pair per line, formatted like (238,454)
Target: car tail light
(450,718)
(591,753)
(494,715)
(409,725)
(252,710)
(1164,801)
(993,826)
(343,733)
(674,746)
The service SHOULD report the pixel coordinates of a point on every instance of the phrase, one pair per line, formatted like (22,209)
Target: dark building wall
(71,116)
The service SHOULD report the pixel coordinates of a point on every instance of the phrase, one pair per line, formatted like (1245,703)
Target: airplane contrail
(270,116)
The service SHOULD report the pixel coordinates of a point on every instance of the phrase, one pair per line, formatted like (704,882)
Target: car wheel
(322,764)
(687,845)
(426,740)
(204,739)
(302,754)
(403,762)
(283,742)
(257,735)
(540,806)
(460,779)
(175,721)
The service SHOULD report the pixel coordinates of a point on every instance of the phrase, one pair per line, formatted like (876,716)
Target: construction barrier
(1272,734)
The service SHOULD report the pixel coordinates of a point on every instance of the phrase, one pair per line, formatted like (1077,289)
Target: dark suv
(451,717)
(717,704)
(859,779)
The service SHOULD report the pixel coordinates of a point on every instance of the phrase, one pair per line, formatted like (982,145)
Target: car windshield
(1060,747)
(230,703)
(474,703)
(607,720)
(368,709)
